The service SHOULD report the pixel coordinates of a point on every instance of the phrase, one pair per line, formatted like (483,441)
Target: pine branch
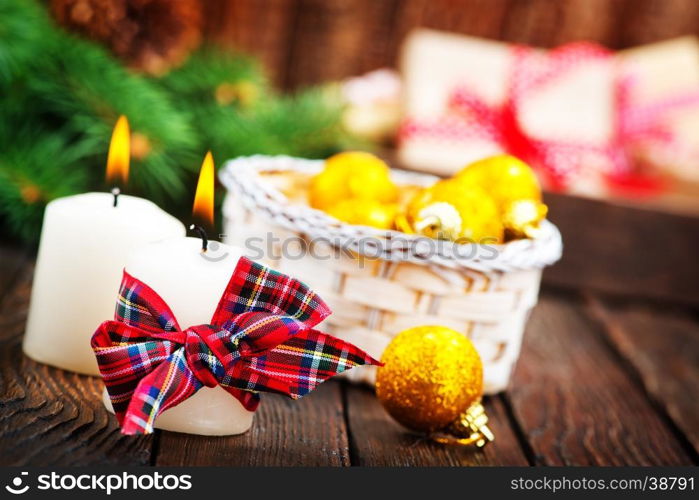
(237,113)
(307,124)
(62,96)
(212,76)
(36,167)
(88,89)
(25,31)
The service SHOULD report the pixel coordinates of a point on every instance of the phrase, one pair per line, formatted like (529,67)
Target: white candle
(84,244)
(192,283)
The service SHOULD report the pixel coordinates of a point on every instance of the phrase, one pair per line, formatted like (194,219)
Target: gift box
(585,117)
(381,282)
(664,97)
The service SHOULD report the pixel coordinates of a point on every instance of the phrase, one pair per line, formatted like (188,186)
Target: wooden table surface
(599,382)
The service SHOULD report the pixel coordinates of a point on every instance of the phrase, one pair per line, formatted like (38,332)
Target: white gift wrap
(577,105)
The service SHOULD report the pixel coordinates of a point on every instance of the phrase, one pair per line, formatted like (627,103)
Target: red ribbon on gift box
(636,126)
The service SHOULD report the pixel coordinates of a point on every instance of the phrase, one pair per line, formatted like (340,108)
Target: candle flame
(118,158)
(204,198)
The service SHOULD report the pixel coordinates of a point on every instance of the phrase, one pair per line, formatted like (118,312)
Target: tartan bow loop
(260,338)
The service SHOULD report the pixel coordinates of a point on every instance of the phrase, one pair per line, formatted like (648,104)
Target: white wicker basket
(385,281)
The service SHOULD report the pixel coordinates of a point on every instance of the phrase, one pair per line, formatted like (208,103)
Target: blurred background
(310,41)
(300,77)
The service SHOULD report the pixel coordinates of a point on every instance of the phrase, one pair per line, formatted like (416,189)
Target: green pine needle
(36,167)
(25,32)
(61,95)
(214,77)
(89,90)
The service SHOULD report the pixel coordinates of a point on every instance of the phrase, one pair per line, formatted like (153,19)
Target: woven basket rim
(241,176)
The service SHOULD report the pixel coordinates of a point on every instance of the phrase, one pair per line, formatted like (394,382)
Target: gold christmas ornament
(522,218)
(352,175)
(365,213)
(432,381)
(504,177)
(455,211)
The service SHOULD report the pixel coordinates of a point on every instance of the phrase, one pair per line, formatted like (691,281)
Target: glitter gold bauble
(452,210)
(504,177)
(365,213)
(431,375)
(522,218)
(352,175)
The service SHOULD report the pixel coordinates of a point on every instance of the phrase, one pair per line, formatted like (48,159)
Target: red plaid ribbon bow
(261,338)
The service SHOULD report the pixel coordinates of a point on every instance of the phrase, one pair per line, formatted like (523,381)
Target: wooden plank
(377,440)
(481,18)
(310,41)
(534,22)
(14,302)
(548,24)
(652,21)
(263,28)
(48,416)
(11,262)
(575,402)
(307,432)
(334,39)
(662,345)
(624,249)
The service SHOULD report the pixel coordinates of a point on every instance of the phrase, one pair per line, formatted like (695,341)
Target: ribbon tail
(256,288)
(299,365)
(168,385)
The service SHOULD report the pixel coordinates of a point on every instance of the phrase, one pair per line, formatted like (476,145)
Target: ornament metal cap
(470,428)
(439,220)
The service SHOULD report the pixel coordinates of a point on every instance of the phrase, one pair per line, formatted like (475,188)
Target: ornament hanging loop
(470,428)
(202,234)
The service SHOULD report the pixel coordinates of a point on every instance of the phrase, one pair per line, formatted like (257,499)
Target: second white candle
(192,283)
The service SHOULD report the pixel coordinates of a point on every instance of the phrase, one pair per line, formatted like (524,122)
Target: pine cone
(150,35)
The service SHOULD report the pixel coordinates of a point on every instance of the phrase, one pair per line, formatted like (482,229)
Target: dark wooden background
(310,41)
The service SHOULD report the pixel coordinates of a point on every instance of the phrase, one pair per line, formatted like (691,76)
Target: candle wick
(202,234)
(116,192)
